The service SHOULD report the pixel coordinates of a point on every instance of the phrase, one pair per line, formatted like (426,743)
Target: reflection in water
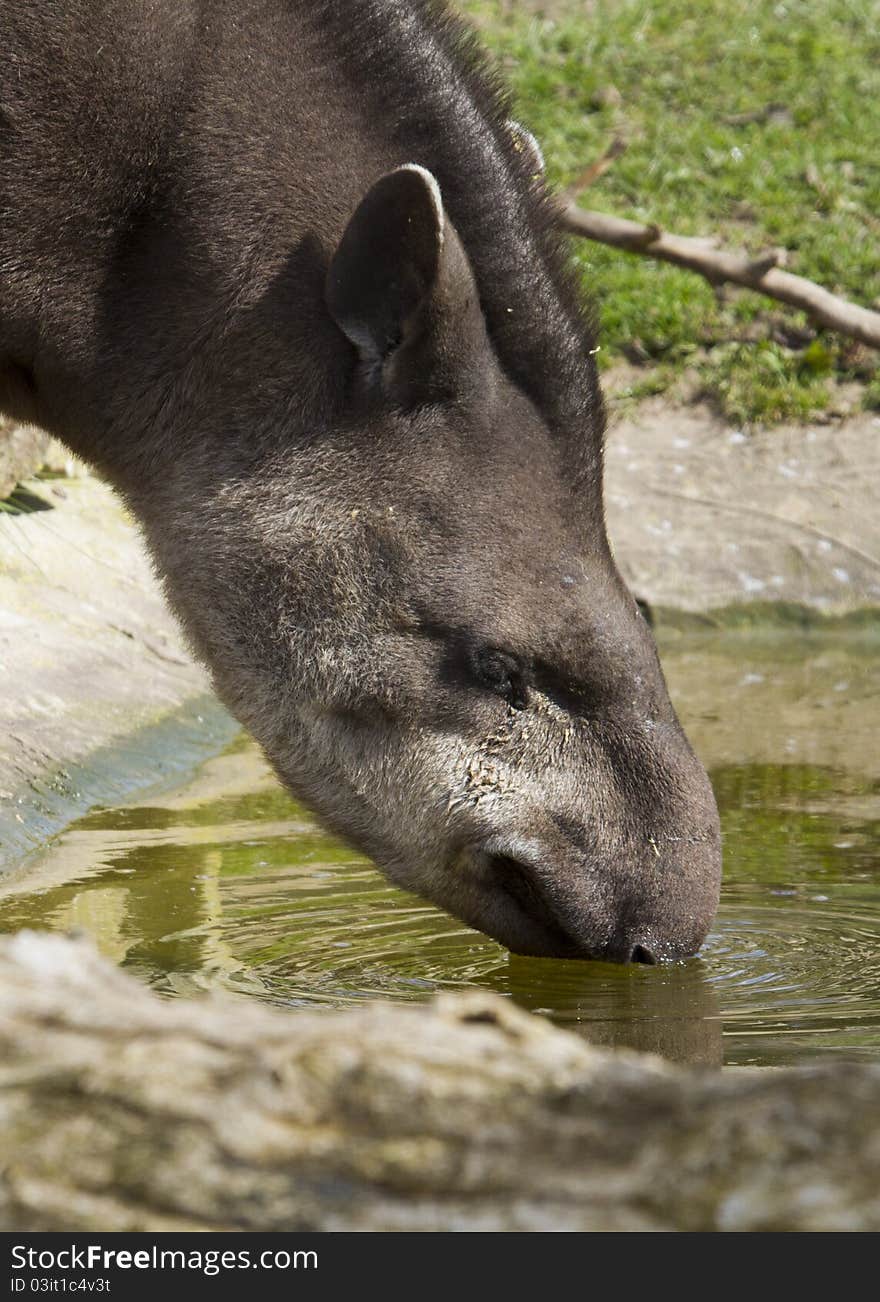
(672,1010)
(228,883)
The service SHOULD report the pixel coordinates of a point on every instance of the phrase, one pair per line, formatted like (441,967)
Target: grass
(757,122)
(21,501)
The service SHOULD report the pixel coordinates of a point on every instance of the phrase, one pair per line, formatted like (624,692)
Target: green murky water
(225,882)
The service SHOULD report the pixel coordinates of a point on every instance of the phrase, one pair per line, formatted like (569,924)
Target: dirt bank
(704,516)
(90,658)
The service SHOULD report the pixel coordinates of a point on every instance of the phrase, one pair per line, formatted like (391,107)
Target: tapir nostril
(518,881)
(556,929)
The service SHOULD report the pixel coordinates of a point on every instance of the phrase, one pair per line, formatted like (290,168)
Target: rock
(121,1111)
(21,452)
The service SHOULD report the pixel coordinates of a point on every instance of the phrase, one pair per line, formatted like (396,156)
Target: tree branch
(597,169)
(762,274)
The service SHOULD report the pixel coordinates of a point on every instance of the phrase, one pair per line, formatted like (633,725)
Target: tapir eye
(501,673)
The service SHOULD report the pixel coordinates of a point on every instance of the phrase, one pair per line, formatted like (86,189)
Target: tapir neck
(175,179)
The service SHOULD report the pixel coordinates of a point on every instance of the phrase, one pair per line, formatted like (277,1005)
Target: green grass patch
(762,383)
(758,123)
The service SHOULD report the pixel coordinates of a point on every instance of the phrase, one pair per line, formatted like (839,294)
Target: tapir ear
(526,144)
(388,260)
(400,286)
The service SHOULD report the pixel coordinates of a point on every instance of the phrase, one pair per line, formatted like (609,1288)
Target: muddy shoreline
(99,695)
(781,523)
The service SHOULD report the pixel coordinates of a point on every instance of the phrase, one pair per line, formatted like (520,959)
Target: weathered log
(121,1111)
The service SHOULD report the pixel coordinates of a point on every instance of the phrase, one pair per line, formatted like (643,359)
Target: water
(225,882)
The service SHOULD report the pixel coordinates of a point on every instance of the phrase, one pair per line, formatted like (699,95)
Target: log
(761,273)
(122,1111)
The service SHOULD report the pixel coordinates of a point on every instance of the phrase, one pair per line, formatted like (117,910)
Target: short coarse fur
(501,208)
(408,75)
(284,272)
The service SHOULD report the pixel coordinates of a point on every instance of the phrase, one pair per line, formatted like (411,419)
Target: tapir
(287,275)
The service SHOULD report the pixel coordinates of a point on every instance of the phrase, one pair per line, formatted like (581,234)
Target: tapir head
(422,622)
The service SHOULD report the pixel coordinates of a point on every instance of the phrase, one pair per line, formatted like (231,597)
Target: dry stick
(761,274)
(591,174)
